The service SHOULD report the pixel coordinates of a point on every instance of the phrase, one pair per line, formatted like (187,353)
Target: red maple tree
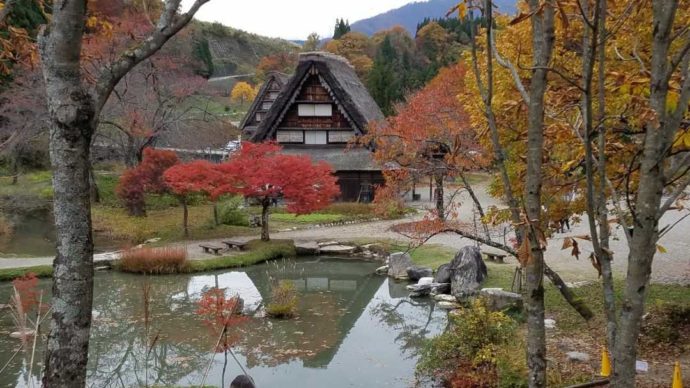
(145,178)
(260,172)
(197,177)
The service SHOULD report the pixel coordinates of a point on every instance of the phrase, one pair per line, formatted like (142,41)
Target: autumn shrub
(388,204)
(230,212)
(283,302)
(154,260)
(473,339)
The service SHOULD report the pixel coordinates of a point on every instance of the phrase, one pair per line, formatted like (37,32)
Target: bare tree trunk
(602,211)
(596,191)
(71,117)
(185,216)
(73,120)
(14,164)
(265,205)
(216,222)
(659,136)
(440,200)
(542,44)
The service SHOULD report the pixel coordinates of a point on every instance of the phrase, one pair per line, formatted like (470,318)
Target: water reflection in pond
(33,235)
(353,329)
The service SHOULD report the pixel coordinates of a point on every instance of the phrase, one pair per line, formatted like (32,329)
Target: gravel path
(670,267)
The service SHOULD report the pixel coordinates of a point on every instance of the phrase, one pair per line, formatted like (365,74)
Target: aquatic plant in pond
(26,308)
(283,302)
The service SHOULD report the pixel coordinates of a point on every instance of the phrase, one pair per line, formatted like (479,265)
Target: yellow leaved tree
(242,93)
(613,143)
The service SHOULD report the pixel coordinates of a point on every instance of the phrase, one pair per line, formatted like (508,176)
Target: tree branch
(168,25)
(513,71)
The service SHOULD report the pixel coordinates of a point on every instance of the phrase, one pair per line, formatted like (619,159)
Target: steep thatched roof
(355,159)
(280,79)
(339,78)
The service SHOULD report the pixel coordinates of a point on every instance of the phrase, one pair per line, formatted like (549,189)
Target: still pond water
(354,329)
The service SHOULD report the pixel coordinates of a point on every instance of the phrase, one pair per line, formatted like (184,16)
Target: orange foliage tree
(429,136)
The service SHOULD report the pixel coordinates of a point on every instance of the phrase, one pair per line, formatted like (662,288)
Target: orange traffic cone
(677,378)
(606,363)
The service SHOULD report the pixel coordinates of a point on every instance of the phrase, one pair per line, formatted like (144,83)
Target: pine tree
(383,83)
(342,27)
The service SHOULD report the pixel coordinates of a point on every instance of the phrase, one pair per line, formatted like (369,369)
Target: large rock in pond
(397,265)
(442,274)
(468,271)
(415,273)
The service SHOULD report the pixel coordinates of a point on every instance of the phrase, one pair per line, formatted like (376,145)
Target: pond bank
(258,252)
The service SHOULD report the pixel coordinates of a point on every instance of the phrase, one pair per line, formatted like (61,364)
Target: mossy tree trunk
(265,205)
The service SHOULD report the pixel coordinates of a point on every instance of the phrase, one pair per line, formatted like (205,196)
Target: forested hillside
(227,51)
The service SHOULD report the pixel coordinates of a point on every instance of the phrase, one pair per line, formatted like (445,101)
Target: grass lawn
(165,224)
(258,252)
(315,218)
(36,184)
(42,271)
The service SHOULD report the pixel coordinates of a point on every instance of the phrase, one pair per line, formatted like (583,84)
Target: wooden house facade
(320,109)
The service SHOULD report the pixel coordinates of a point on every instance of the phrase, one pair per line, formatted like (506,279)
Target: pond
(353,329)
(33,235)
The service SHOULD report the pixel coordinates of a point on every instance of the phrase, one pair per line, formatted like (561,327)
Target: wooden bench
(237,245)
(211,248)
(497,257)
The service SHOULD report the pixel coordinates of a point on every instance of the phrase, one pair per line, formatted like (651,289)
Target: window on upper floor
(315,110)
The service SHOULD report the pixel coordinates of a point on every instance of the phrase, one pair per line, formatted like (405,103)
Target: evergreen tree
(342,27)
(384,81)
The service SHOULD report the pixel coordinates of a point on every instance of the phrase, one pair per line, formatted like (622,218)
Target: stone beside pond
(454,284)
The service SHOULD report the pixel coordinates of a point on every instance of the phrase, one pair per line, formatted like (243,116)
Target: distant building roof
(279,78)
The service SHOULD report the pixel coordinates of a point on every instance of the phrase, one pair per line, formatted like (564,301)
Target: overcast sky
(291,19)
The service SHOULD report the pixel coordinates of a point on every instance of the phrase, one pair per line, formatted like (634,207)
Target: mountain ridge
(412,14)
